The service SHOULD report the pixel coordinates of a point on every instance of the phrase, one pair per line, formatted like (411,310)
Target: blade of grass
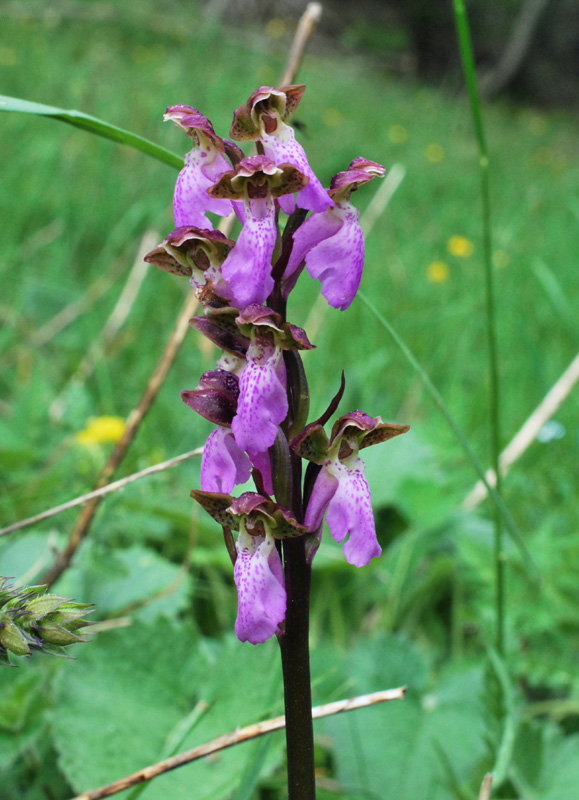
(93,125)
(467,59)
(436,397)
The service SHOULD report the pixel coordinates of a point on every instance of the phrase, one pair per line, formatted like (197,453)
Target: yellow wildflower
(438,272)
(460,246)
(101,430)
(434,153)
(398,134)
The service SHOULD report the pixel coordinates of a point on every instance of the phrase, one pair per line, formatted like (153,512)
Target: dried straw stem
(233,738)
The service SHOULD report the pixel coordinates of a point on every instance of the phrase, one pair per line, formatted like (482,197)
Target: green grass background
(74,208)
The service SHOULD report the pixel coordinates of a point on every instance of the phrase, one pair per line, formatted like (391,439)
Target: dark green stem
(467,58)
(295,659)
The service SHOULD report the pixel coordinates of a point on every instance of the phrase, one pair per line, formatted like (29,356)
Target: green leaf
(394,744)
(93,125)
(23,703)
(135,580)
(546,763)
(136,685)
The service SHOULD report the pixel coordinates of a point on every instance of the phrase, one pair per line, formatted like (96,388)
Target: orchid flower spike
(264,118)
(332,243)
(340,487)
(257,181)
(203,166)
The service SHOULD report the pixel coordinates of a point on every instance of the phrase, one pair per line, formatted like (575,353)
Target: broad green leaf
(135,580)
(395,744)
(93,125)
(23,703)
(117,706)
(546,762)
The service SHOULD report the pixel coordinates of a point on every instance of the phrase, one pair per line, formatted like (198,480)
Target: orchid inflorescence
(258,394)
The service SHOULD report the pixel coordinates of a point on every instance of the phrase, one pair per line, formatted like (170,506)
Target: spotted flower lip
(261,594)
(263,403)
(332,243)
(264,117)
(340,489)
(258,571)
(257,181)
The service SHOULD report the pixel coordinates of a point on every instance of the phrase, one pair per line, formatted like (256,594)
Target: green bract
(32,620)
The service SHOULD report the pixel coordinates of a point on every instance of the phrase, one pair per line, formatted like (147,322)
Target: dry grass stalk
(104,490)
(233,738)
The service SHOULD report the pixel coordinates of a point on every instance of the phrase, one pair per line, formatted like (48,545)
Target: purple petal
(247,268)
(262,462)
(260,588)
(261,407)
(190,202)
(324,489)
(313,231)
(223,465)
(350,512)
(283,148)
(338,261)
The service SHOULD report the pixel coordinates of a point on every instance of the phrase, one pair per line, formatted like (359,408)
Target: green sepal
(54,650)
(312,444)
(56,634)
(12,639)
(41,606)
(216,504)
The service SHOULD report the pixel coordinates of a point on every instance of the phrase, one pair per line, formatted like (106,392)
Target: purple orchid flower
(263,404)
(332,243)
(258,570)
(340,487)
(260,587)
(264,118)
(198,254)
(204,164)
(223,466)
(257,181)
